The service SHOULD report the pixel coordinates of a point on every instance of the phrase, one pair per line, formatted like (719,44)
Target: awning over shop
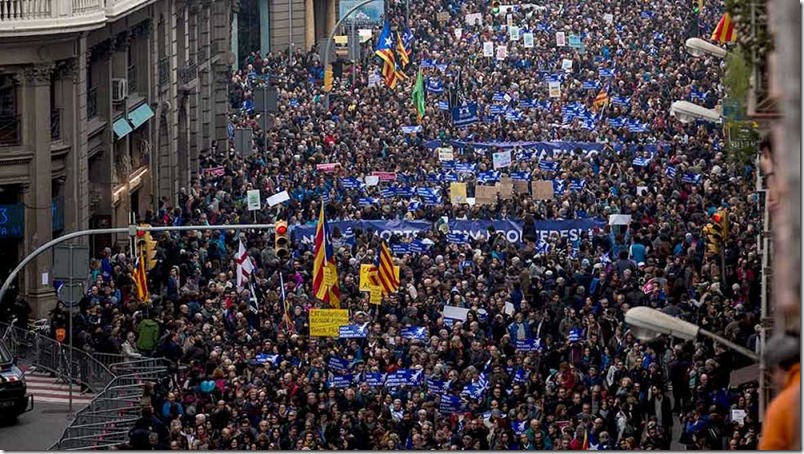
(140,115)
(122,128)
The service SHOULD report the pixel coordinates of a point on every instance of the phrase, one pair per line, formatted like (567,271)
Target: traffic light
(146,241)
(713,238)
(495,7)
(717,232)
(281,239)
(328,80)
(721,220)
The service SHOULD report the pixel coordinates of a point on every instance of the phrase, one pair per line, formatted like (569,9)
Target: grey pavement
(36,430)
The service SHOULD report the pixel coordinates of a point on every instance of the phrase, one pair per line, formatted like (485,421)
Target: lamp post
(698,48)
(649,323)
(331,37)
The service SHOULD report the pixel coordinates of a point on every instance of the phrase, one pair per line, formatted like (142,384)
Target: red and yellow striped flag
(724,32)
(325,272)
(141,277)
(385,270)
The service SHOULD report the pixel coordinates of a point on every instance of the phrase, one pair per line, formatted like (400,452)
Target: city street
(36,430)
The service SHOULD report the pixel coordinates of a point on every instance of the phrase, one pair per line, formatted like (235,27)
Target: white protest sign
(470,201)
(642,190)
(278,198)
(738,416)
(455,313)
(501,159)
(528,39)
(619,219)
(608,18)
(364,34)
(445,154)
(502,52)
(374,79)
(458,33)
(509,20)
(555,89)
(473,19)
(488,49)
(561,39)
(566,64)
(509,309)
(253,199)
(372,180)
(513,33)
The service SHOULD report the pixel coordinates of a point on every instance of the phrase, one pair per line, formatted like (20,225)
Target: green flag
(418,96)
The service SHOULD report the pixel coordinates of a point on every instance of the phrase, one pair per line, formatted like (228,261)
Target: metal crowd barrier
(105,422)
(54,357)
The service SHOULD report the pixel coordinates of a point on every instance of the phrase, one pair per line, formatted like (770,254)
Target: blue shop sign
(12,219)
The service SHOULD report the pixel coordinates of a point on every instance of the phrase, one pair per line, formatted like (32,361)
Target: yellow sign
(376,294)
(330,275)
(327,322)
(457,193)
(365,277)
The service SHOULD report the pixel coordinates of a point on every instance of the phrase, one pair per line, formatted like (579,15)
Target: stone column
(332,14)
(309,24)
(74,130)
(35,81)
(265,27)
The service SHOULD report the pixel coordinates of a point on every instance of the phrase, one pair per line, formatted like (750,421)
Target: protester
(543,359)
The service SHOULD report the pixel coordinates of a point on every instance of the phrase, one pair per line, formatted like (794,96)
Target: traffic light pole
(131,230)
(331,37)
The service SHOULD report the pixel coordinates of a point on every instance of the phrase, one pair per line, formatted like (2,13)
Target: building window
(10,123)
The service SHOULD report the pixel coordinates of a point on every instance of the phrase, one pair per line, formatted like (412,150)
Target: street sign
(242,141)
(70,265)
(741,137)
(265,100)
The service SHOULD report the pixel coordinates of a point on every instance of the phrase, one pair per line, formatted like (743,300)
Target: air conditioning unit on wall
(119,90)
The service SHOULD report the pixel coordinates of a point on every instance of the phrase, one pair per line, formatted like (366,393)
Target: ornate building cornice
(37,74)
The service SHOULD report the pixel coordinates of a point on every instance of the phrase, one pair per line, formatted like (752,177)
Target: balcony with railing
(43,17)
(132,79)
(55,123)
(10,130)
(188,73)
(164,72)
(92,102)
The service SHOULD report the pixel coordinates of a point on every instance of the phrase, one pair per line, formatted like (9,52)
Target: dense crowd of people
(246,377)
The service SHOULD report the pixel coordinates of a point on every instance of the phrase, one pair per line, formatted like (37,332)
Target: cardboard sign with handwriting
(485,195)
(506,188)
(543,190)
(522,187)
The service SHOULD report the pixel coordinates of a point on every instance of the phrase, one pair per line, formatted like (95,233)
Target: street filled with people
(543,191)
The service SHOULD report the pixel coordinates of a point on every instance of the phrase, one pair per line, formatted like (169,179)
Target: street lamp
(687,112)
(698,48)
(648,324)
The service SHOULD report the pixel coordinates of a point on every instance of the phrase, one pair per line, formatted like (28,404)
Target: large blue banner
(549,147)
(464,115)
(512,230)
(570,229)
(306,234)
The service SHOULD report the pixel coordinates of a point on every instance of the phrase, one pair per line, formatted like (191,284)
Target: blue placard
(339,364)
(341,381)
(528,345)
(449,404)
(353,332)
(465,115)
